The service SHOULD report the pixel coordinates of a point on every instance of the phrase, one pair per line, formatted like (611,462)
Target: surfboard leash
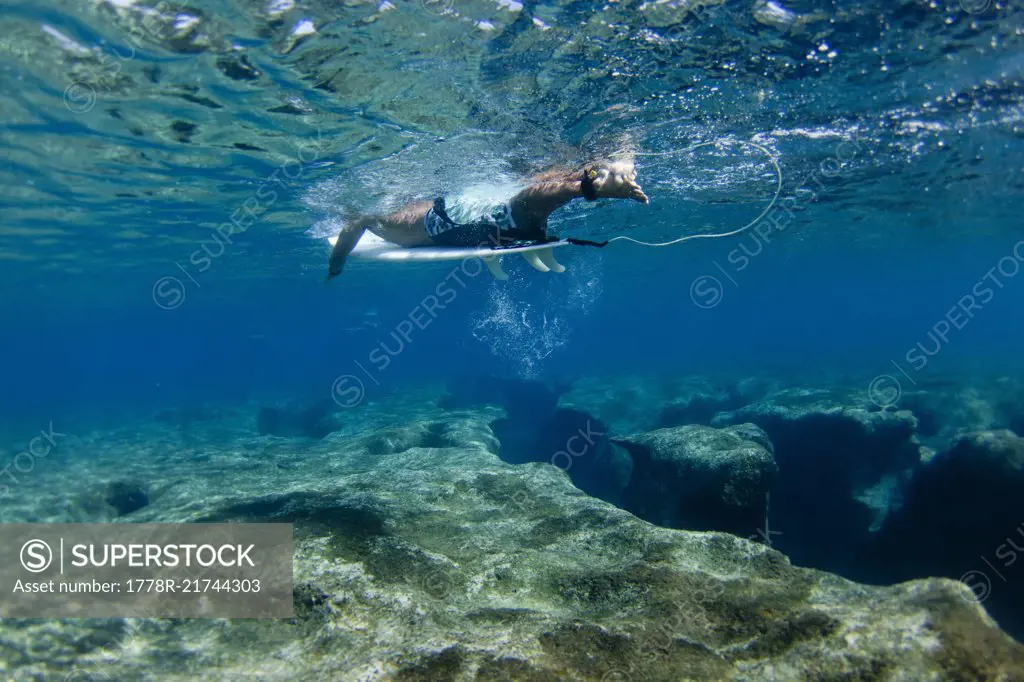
(586,242)
(778,191)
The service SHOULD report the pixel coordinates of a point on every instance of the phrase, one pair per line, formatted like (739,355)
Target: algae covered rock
(436,434)
(634,403)
(841,465)
(126,496)
(700,478)
(312,421)
(698,404)
(575,442)
(443,563)
(946,409)
(962,516)
(823,426)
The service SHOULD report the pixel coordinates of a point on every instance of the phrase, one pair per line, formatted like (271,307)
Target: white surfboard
(540,256)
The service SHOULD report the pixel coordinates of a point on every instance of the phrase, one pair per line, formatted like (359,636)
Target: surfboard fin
(493,264)
(547,257)
(534,260)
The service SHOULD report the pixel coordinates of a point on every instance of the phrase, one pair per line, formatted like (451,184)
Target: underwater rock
(314,421)
(991,455)
(963,515)
(698,407)
(529,400)
(700,478)
(446,434)
(634,404)
(697,401)
(126,496)
(627,404)
(575,442)
(447,564)
(947,409)
(840,466)
(756,387)
(858,445)
(752,433)
(972,487)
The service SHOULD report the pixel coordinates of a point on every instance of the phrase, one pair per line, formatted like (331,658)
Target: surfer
(523,218)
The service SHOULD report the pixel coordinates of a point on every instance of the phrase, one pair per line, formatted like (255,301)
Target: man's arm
(553,189)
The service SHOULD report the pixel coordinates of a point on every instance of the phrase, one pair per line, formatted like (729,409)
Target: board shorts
(467,225)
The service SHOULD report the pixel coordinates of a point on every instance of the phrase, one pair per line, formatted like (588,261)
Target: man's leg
(403,227)
(347,240)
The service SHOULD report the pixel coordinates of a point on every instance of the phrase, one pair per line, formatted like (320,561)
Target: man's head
(617,180)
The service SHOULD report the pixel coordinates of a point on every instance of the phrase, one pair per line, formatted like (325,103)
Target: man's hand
(618,181)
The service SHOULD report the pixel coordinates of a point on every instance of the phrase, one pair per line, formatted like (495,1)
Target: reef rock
(634,404)
(314,421)
(526,400)
(435,434)
(698,401)
(841,465)
(442,563)
(700,478)
(963,515)
(820,425)
(962,492)
(946,409)
(126,496)
(575,442)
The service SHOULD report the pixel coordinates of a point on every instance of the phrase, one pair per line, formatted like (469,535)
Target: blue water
(898,128)
(803,309)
